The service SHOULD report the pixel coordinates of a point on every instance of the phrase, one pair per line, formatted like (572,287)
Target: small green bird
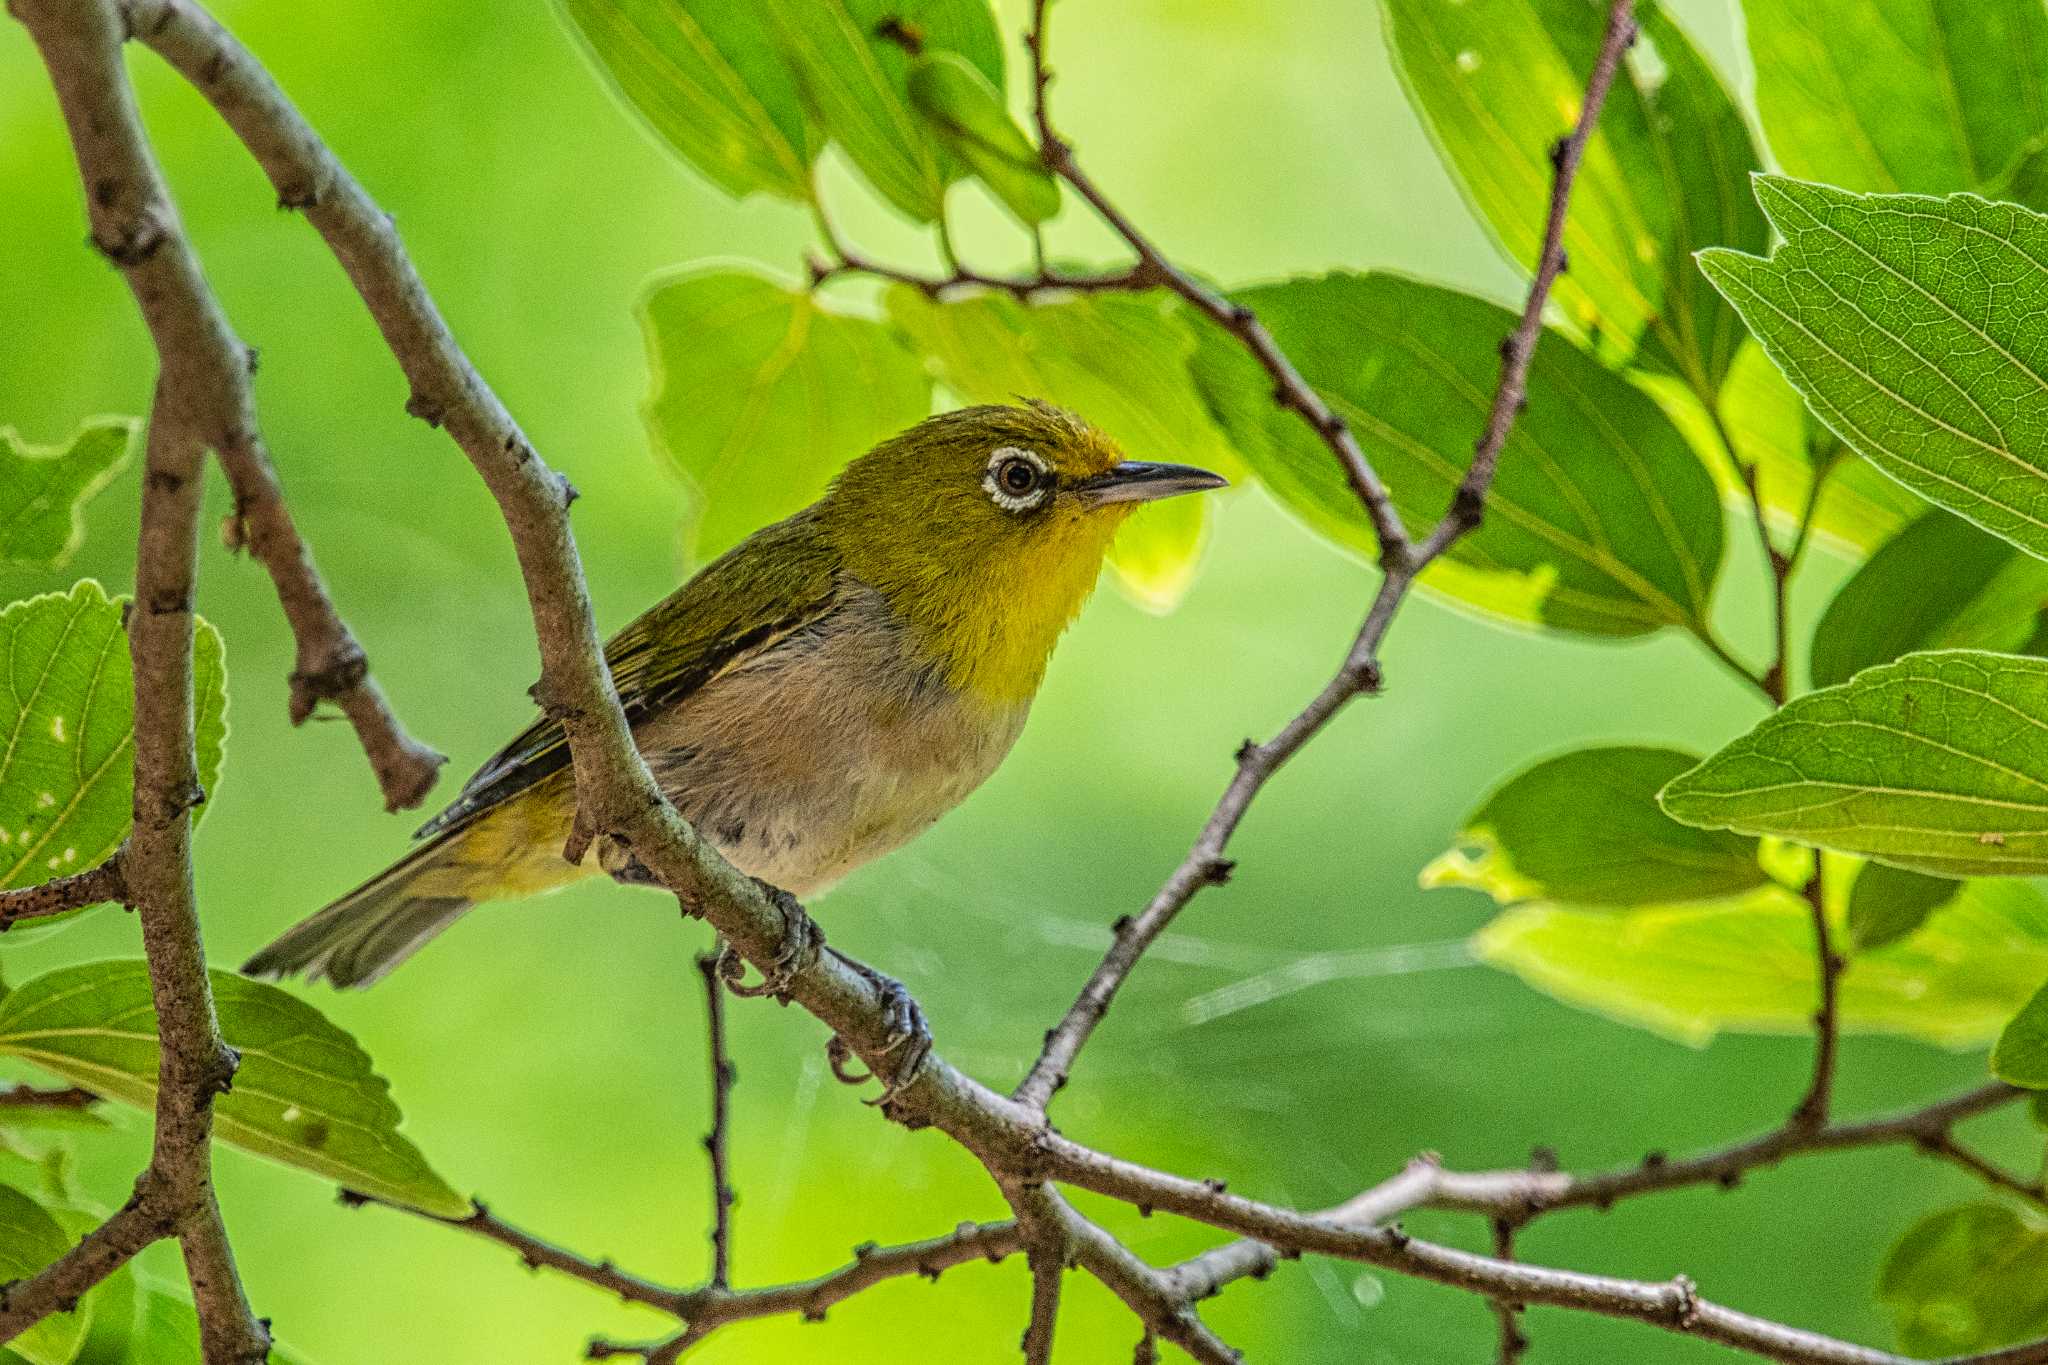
(815,697)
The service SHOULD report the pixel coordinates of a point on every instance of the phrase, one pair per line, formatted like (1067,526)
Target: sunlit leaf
(1499,81)
(167,1331)
(852,59)
(1122,361)
(710,81)
(67,703)
(305,1094)
(1887,903)
(1941,583)
(30,1238)
(1967,1279)
(967,113)
(1748,966)
(1585,828)
(111,1306)
(1938,762)
(1601,519)
(761,394)
(1908,324)
(1922,95)
(43,489)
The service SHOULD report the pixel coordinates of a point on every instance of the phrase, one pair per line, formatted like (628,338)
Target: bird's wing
(779,580)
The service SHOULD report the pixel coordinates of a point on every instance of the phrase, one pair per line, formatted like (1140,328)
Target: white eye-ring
(1017,479)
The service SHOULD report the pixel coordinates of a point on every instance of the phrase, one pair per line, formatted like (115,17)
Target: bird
(812,699)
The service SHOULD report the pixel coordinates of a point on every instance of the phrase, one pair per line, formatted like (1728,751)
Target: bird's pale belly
(799,767)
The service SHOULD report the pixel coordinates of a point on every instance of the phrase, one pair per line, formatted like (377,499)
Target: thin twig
(1205,863)
(715,1142)
(1813,1105)
(1509,1314)
(63,894)
(23,1096)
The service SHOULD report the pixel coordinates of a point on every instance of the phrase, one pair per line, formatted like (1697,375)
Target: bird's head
(985,528)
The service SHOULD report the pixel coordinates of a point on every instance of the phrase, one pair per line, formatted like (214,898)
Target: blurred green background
(549,1055)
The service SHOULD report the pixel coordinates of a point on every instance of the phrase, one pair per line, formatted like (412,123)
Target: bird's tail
(359,938)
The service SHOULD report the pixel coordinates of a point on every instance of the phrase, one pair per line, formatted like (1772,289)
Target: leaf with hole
(1584,828)
(1909,325)
(1938,762)
(1601,519)
(67,705)
(304,1095)
(1122,361)
(762,394)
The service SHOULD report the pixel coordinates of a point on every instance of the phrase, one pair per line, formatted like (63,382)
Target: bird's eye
(1017,479)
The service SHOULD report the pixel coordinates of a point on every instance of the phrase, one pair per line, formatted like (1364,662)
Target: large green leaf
(967,114)
(1923,95)
(1121,361)
(1585,828)
(710,81)
(1601,520)
(1941,583)
(305,1094)
(30,1238)
(1968,1279)
(1938,762)
(761,394)
(67,706)
(2021,1056)
(1909,325)
(1748,966)
(1499,81)
(43,488)
(852,62)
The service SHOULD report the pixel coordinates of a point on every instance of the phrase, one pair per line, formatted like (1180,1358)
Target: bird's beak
(1142,481)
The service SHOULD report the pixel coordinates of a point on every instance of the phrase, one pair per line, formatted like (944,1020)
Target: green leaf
(110,1306)
(1907,324)
(1688,972)
(1923,95)
(2021,1056)
(1120,360)
(1939,584)
(761,394)
(44,489)
(967,114)
(305,1094)
(852,63)
(1499,81)
(67,705)
(29,1240)
(167,1332)
(1967,1279)
(709,80)
(1938,762)
(1888,903)
(1601,519)
(1585,828)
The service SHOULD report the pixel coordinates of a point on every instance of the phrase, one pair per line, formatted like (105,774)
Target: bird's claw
(908,1037)
(801,942)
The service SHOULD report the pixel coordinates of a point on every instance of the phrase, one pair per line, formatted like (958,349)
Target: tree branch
(722,1078)
(1813,1105)
(63,894)
(1205,864)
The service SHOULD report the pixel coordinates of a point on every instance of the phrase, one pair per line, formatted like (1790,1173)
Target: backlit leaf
(1921,95)
(1909,325)
(44,488)
(1601,519)
(1585,828)
(1120,360)
(305,1094)
(1968,1279)
(1941,583)
(1499,81)
(1887,903)
(1938,762)
(1748,966)
(67,703)
(968,115)
(761,395)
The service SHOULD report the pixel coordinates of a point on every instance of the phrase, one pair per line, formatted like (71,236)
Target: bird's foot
(801,940)
(908,1035)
